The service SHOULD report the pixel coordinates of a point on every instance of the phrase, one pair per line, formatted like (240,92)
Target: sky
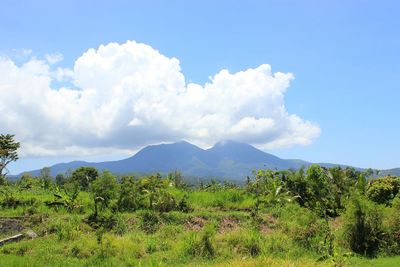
(98,80)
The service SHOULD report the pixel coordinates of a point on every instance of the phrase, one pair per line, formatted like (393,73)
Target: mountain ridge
(226,159)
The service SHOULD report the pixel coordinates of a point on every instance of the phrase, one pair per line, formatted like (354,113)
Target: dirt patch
(269,219)
(228,224)
(10,226)
(335,223)
(265,229)
(267,224)
(195,223)
(131,221)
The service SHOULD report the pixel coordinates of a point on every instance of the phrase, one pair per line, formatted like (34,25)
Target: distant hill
(393,172)
(227,159)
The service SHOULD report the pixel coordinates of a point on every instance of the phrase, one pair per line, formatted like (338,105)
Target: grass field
(220,226)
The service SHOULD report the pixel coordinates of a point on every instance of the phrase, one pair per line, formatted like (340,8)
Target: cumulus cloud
(54,58)
(124,96)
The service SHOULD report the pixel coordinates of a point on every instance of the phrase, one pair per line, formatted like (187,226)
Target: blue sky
(344,56)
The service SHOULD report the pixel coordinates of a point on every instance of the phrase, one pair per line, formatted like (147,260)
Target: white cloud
(54,58)
(130,95)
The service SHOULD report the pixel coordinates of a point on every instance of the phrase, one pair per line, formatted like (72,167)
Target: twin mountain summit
(226,159)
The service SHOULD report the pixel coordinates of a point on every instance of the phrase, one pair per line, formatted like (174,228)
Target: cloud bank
(123,96)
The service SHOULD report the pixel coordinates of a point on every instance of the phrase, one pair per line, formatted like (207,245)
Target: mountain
(393,172)
(226,159)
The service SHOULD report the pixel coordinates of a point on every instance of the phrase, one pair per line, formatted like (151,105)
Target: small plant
(150,222)
(252,244)
(107,249)
(120,226)
(65,229)
(151,246)
(81,251)
(183,204)
(200,245)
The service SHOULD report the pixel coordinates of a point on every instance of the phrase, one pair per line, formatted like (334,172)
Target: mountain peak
(229,142)
(182,142)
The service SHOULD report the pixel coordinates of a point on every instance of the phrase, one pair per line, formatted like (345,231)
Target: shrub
(303,226)
(278,243)
(120,226)
(107,249)
(81,251)
(234,195)
(183,204)
(165,201)
(363,230)
(22,250)
(151,246)
(247,243)
(107,220)
(65,229)
(200,245)
(150,222)
(394,227)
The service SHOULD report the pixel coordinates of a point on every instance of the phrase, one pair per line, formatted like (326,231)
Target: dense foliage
(314,216)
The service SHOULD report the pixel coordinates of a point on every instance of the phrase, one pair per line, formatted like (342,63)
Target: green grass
(218,232)
(378,262)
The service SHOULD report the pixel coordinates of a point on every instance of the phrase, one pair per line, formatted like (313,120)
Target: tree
(60,179)
(382,190)
(45,177)
(177,179)
(8,153)
(319,194)
(130,197)
(150,187)
(85,176)
(104,189)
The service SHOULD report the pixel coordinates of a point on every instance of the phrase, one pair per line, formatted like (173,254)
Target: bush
(303,226)
(279,244)
(363,229)
(107,220)
(234,196)
(120,226)
(107,249)
(394,227)
(183,204)
(150,222)
(246,243)
(165,202)
(81,251)
(200,245)
(65,229)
